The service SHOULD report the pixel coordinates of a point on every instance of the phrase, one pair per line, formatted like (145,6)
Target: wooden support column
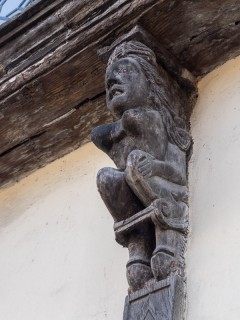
(150,96)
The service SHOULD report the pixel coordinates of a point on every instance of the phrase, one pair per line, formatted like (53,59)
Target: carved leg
(122,203)
(116,194)
(150,188)
(169,199)
(141,245)
(170,244)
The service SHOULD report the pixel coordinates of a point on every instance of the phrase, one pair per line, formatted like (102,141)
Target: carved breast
(122,149)
(142,131)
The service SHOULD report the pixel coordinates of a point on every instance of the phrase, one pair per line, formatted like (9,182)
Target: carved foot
(138,274)
(163,264)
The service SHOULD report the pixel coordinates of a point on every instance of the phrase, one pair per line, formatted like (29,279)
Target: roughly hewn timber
(54,140)
(49,64)
(201,34)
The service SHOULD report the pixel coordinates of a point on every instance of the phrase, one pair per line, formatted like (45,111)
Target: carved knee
(138,274)
(163,264)
(103,179)
(116,194)
(107,186)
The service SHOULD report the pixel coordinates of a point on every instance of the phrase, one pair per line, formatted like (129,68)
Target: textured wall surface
(58,258)
(213,254)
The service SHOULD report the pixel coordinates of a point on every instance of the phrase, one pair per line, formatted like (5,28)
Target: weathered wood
(186,28)
(147,194)
(55,92)
(202,34)
(161,301)
(53,141)
(73,26)
(49,65)
(18,35)
(43,100)
(32,100)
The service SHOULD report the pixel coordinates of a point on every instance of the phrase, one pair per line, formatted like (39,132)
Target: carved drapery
(150,97)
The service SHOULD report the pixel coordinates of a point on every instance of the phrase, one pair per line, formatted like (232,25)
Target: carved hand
(146,166)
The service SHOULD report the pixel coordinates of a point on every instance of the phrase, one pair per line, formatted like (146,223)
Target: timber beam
(52,82)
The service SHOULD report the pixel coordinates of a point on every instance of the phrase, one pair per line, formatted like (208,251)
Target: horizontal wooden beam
(54,140)
(202,34)
(51,77)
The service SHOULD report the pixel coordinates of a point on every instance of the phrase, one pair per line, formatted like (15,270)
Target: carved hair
(165,95)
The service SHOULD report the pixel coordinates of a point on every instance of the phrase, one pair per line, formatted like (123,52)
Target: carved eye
(122,70)
(125,70)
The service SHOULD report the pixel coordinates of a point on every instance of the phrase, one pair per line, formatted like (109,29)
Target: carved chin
(118,99)
(118,105)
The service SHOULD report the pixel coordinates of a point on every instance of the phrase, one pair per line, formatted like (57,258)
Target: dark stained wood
(53,141)
(163,300)
(49,64)
(147,194)
(201,34)
(49,97)
(72,26)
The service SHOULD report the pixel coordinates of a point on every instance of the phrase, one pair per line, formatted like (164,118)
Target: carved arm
(152,167)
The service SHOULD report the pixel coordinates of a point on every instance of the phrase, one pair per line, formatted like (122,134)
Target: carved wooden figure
(147,194)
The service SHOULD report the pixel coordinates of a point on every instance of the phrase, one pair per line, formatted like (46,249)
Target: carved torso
(136,130)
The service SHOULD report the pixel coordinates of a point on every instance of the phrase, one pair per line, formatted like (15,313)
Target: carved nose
(112,78)
(112,81)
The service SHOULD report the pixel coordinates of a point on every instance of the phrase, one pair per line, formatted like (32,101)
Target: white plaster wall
(58,257)
(214,175)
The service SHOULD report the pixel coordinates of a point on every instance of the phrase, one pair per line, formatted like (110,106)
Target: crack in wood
(33,137)
(96,97)
(65,115)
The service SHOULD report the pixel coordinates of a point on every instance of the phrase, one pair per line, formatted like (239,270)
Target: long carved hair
(165,95)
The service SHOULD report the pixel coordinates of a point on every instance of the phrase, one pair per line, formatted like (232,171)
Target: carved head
(135,64)
(126,86)
(135,80)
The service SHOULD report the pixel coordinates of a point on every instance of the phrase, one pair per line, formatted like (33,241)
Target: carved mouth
(115,91)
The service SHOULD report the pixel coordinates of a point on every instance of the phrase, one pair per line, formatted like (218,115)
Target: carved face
(126,86)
